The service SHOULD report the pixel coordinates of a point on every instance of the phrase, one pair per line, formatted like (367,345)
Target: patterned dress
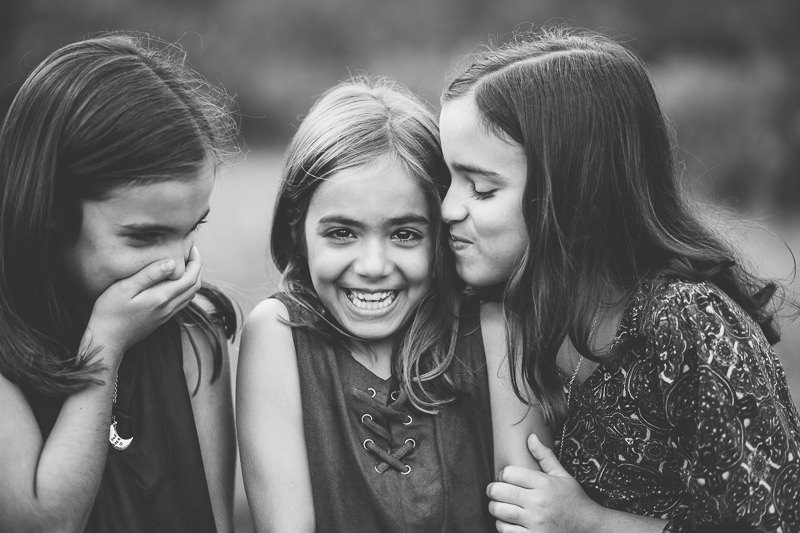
(692,421)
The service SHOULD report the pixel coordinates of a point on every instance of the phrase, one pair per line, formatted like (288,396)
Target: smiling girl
(644,339)
(361,408)
(107,161)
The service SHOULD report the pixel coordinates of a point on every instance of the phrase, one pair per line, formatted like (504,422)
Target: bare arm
(270,425)
(212,406)
(552,501)
(51,484)
(512,420)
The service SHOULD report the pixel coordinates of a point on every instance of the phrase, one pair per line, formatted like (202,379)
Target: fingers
(506,512)
(545,456)
(506,493)
(181,291)
(155,281)
(521,476)
(148,276)
(505,527)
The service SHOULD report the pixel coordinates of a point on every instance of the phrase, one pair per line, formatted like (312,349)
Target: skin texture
(484,203)
(137,283)
(135,226)
(368,230)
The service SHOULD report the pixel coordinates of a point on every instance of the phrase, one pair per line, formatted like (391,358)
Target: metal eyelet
(372,392)
(395,394)
(408,420)
(407,471)
(367,416)
(365,443)
(378,471)
(412,441)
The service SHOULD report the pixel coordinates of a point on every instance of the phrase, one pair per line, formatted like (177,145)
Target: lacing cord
(393,460)
(388,458)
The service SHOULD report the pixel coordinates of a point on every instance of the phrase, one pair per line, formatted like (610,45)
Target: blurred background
(727,72)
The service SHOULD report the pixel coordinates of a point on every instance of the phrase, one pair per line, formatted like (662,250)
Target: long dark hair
(602,203)
(98,114)
(354,124)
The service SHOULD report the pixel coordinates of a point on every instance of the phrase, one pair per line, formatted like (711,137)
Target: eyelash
(148,237)
(197,226)
(336,234)
(402,236)
(143,238)
(481,195)
(413,236)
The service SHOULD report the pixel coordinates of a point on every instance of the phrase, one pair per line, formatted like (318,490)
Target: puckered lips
(458,242)
(371,301)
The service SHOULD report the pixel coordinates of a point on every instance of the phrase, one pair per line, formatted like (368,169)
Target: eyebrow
(159,227)
(475,169)
(409,218)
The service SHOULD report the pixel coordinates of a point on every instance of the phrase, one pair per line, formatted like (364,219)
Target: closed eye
(200,223)
(144,238)
(481,195)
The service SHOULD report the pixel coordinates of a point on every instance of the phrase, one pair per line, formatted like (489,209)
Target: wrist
(97,349)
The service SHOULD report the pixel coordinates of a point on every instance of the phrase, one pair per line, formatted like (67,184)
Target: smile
(371,300)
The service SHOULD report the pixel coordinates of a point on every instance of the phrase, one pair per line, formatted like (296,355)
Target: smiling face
(369,248)
(483,205)
(136,225)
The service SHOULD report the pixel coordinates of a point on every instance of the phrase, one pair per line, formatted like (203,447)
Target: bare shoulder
(13,401)
(267,333)
(267,312)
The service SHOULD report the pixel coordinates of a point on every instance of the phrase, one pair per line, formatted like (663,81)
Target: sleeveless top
(158,483)
(377,464)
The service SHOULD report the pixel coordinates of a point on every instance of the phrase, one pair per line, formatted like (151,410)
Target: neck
(376,356)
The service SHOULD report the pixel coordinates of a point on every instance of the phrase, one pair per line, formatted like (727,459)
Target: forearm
(66,475)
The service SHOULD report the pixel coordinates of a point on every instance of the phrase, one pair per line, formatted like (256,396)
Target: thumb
(545,456)
(149,276)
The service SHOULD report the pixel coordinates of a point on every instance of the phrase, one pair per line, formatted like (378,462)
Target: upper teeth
(371,300)
(371,296)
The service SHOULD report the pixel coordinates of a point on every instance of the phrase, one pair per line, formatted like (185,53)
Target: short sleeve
(731,415)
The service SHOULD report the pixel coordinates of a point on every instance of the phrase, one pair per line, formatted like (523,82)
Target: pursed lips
(457,241)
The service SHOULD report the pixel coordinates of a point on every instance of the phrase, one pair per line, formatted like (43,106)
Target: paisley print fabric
(692,420)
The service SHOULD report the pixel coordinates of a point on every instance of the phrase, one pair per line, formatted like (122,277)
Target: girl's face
(135,226)
(370,248)
(484,203)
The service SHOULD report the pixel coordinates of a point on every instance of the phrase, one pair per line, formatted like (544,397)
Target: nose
(373,261)
(179,252)
(453,209)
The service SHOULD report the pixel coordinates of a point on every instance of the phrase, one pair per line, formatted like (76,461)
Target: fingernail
(168,265)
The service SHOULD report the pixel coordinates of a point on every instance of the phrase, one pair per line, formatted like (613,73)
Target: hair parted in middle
(352,125)
(603,203)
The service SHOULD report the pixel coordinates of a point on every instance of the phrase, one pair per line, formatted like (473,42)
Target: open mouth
(371,300)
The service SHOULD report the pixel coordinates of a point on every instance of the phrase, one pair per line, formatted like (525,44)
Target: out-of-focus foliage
(728,71)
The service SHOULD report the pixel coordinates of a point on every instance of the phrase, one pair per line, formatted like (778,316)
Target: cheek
(418,269)
(324,265)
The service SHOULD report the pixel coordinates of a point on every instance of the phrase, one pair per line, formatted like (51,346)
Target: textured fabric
(158,484)
(692,421)
(438,465)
